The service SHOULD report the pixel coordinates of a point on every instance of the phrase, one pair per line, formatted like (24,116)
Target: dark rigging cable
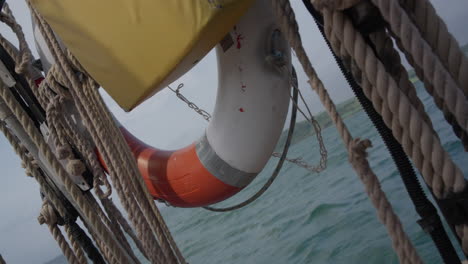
(430,220)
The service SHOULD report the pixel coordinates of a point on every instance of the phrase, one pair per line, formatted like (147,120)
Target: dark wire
(430,220)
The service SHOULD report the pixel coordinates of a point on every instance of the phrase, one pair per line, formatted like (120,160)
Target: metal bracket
(78,180)
(6,76)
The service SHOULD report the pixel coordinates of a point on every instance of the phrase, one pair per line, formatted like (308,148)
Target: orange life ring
(178,177)
(251,108)
(254,63)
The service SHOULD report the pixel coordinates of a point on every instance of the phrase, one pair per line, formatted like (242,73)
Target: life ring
(250,111)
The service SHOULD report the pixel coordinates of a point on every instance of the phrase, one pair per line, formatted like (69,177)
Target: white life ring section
(248,119)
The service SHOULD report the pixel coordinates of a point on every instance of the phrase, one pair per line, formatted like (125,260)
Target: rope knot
(25,60)
(47,215)
(29,164)
(27,171)
(357,149)
(76,167)
(63,152)
(57,83)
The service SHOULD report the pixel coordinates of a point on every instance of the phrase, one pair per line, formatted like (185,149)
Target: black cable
(430,220)
(85,242)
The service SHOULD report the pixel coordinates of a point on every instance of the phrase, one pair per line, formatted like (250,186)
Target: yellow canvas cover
(131,46)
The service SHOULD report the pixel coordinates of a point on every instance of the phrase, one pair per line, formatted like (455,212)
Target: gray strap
(219,168)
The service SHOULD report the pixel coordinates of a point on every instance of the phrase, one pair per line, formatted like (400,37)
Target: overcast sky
(162,121)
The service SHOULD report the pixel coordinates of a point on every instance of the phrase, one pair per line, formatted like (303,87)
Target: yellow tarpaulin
(131,46)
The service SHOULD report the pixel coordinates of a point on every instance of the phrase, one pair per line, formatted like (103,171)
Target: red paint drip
(238,39)
(241,110)
(38,81)
(243,86)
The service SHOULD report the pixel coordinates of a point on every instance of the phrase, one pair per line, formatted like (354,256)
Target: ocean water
(312,218)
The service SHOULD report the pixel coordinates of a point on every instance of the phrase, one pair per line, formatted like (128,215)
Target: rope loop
(24,57)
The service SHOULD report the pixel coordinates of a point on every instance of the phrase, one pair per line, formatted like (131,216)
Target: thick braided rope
(72,189)
(88,89)
(53,111)
(13,52)
(54,115)
(81,98)
(391,59)
(62,242)
(458,131)
(67,81)
(162,231)
(412,41)
(367,87)
(117,230)
(130,205)
(93,96)
(416,137)
(160,223)
(113,225)
(123,223)
(47,216)
(401,242)
(84,147)
(24,57)
(104,250)
(379,200)
(128,201)
(32,168)
(62,130)
(434,30)
(461,229)
(80,256)
(396,128)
